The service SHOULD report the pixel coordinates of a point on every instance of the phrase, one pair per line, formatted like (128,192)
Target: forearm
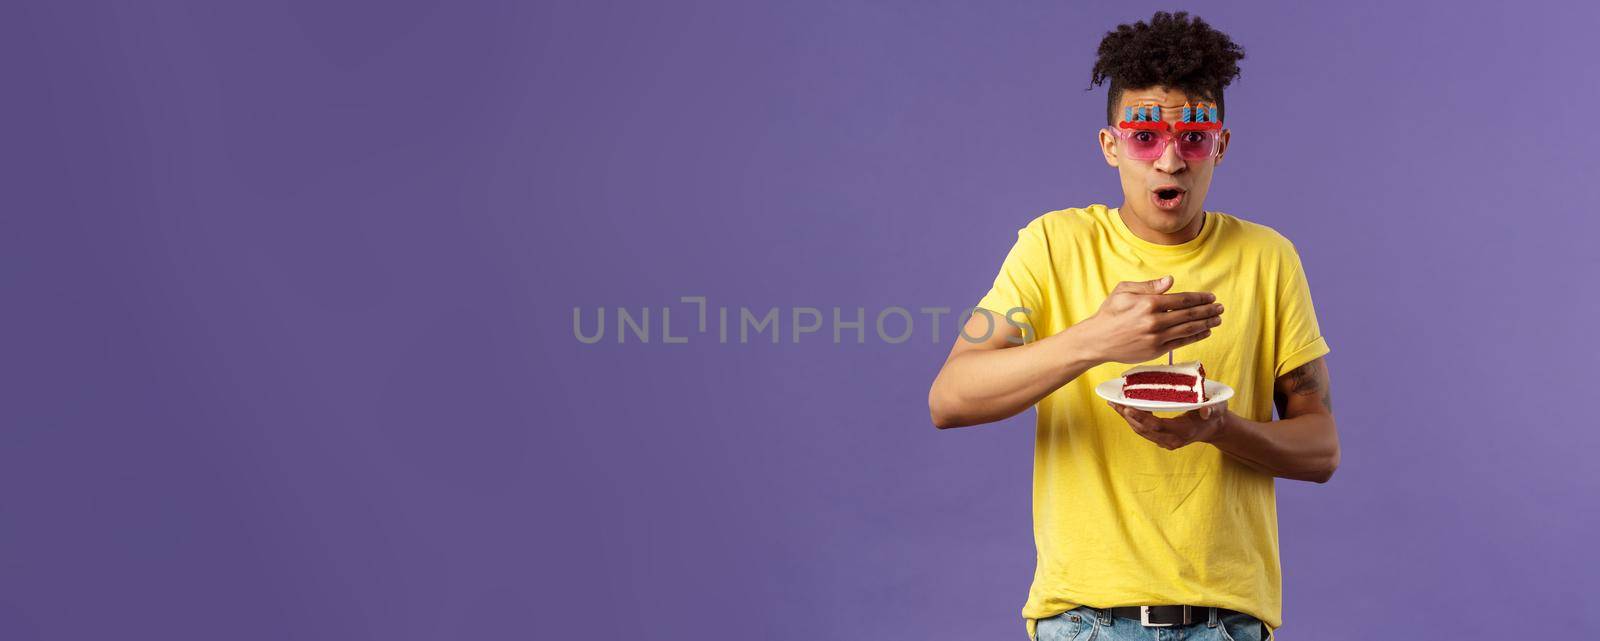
(983,386)
(1303,448)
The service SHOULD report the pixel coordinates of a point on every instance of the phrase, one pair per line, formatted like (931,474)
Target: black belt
(1164,615)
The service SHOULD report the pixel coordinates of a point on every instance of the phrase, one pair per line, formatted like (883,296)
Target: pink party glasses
(1145,136)
(1150,144)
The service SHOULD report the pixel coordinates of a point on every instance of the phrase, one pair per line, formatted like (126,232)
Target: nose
(1170,162)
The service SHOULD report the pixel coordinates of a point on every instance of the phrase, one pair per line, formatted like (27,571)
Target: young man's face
(1142,179)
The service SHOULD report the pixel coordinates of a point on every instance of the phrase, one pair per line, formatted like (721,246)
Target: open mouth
(1168,197)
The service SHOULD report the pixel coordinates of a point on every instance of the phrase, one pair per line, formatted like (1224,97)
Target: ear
(1108,146)
(1222,148)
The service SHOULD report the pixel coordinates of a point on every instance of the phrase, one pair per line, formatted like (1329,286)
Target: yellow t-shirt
(1116,519)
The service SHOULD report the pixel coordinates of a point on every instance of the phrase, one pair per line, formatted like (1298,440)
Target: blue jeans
(1089,624)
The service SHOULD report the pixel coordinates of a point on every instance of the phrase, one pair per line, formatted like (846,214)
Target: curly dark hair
(1172,51)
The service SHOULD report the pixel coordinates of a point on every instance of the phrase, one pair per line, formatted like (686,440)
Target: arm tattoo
(1305,380)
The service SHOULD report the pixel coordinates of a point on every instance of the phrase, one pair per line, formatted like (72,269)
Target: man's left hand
(1194,426)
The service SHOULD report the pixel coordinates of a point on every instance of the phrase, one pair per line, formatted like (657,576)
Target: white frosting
(1190,368)
(1179,388)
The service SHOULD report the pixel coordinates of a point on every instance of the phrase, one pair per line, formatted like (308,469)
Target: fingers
(1144,286)
(1210,410)
(1135,417)
(1147,425)
(1198,312)
(1131,413)
(1182,300)
(1189,329)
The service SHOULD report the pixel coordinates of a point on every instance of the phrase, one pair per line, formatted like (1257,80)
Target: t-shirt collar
(1208,229)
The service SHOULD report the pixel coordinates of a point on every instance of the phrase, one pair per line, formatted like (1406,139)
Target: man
(1133,509)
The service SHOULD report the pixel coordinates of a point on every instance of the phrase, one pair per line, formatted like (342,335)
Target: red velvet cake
(1180,383)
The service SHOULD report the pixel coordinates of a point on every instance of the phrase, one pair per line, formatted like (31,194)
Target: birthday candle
(1185,112)
(1127,114)
(1213,114)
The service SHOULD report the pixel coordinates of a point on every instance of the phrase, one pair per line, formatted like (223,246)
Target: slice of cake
(1179,383)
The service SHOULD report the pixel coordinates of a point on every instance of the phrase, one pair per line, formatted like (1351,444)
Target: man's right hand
(1139,322)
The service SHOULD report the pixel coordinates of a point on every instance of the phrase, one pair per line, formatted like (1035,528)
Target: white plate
(1111,390)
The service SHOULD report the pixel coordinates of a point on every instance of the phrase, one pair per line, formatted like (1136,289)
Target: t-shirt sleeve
(1300,340)
(1023,279)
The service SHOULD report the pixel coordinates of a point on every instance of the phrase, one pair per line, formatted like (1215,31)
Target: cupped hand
(1139,322)
(1194,426)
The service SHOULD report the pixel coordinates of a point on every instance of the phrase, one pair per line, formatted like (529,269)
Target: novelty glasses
(1150,144)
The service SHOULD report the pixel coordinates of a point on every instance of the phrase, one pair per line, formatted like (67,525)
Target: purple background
(288,347)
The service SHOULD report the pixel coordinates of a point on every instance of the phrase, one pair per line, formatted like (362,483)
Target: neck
(1189,232)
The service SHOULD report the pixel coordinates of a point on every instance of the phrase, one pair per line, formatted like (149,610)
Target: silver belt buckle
(1144,617)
